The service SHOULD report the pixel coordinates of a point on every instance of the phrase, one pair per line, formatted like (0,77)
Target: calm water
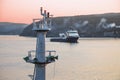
(90,59)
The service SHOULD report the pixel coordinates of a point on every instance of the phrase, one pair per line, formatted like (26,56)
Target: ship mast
(40,60)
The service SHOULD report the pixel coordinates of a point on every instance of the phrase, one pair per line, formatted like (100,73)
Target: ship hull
(69,39)
(72,39)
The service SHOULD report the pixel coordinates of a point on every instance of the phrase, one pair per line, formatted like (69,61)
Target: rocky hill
(7,28)
(97,25)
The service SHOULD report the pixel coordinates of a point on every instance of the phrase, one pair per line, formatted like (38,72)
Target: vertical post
(40,46)
(40,59)
(39,72)
(40,55)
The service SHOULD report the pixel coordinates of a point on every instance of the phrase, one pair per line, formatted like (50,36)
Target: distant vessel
(70,36)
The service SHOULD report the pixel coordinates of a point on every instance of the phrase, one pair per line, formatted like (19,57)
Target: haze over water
(90,59)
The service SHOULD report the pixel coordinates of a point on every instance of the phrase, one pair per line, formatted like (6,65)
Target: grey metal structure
(40,59)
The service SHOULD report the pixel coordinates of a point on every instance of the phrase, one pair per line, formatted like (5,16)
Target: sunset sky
(23,11)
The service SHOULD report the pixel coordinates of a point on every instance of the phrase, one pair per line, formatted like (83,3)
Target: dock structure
(41,58)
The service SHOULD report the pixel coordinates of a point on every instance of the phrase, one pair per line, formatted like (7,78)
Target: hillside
(7,28)
(96,25)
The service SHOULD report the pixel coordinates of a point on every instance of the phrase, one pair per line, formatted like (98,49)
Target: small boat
(70,36)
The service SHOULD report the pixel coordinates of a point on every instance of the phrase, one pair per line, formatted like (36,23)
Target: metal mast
(40,59)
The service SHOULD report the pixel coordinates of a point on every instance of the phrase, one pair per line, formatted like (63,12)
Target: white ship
(70,36)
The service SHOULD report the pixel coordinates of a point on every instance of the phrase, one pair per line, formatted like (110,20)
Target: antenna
(41,10)
(44,13)
(48,15)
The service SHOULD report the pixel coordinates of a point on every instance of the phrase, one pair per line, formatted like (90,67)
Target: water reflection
(90,59)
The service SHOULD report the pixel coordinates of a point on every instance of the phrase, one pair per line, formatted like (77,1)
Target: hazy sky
(23,11)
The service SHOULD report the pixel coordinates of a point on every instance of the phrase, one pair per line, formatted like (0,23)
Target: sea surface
(89,59)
